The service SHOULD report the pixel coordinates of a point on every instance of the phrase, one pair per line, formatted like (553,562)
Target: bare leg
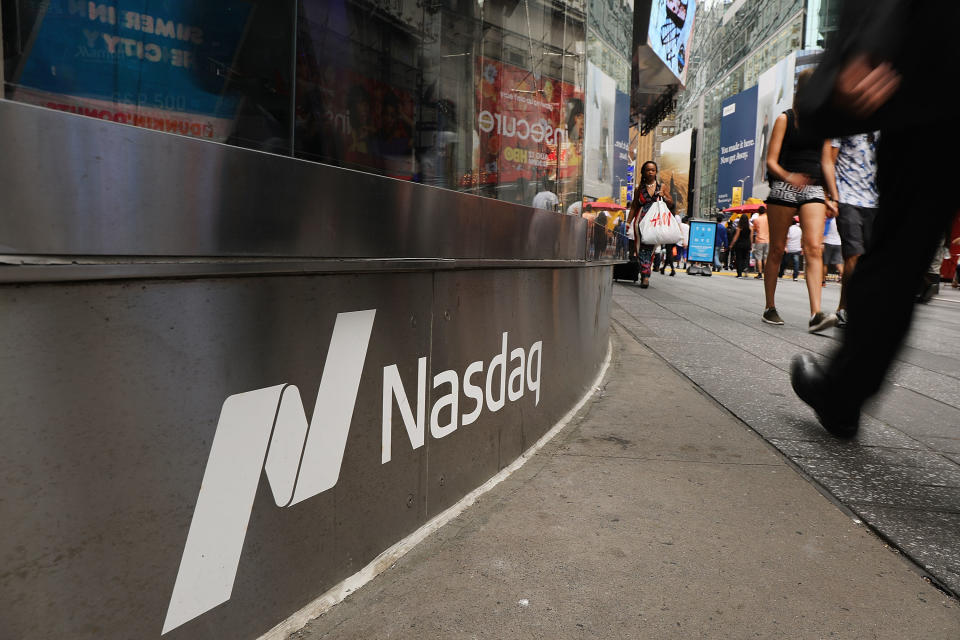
(813,215)
(779,219)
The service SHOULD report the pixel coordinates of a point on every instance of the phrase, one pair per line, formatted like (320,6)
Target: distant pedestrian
(761,239)
(832,252)
(741,244)
(546,199)
(720,243)
(855,158)
(647,192)
(685,243)
(793,250)
(800,165)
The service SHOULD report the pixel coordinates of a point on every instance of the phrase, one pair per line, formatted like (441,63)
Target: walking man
(855,159)
(761,240)
(870,80)
(832,252)
(720,245)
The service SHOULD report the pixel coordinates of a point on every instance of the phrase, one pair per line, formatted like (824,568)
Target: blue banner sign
(149,54)
(703,235)
(737,130)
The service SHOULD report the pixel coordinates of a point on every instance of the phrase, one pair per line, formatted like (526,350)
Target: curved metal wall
(73,185)
(150,422)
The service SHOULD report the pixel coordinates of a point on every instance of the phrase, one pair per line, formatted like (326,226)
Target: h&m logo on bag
(267,429)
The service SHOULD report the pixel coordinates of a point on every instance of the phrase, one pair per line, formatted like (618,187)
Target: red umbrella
(744,208)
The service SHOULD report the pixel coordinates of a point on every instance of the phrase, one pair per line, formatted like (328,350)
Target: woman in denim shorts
(799,164)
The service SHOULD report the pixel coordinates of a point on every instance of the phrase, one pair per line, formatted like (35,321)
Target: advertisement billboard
(675,168)
(528,125)
(598,143)
(737,131)
(622,176)
(123,62)
(668,34)
(774,96)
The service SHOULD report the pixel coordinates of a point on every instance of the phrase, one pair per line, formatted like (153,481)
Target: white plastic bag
(659,226)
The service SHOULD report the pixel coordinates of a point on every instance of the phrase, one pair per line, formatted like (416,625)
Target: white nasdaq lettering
(451,400)
(499,361)
(533,384)
(516,374)
(393,388)
(473,392)
(524,375)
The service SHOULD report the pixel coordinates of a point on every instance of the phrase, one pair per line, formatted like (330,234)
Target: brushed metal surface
(73,185)
(111,396)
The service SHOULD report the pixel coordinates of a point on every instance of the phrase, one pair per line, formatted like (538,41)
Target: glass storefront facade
(490,97)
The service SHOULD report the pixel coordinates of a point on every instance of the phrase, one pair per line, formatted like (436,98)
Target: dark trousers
(742,258)
(668,259)
(790,259)
(881,293)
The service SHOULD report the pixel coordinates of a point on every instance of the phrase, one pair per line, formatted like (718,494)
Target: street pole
(698,167)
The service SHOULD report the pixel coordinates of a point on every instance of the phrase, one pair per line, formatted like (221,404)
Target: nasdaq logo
(267,430)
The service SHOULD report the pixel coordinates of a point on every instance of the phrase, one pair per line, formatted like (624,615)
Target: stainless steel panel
(111,396)
(73,185)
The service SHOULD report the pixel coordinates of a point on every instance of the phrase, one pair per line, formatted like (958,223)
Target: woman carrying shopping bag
(649,190)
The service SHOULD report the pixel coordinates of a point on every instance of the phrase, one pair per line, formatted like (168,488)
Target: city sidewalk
(654,514)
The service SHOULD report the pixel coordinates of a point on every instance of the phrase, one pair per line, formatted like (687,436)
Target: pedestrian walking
(546,198)
(761,240)
(792,250)
(741,244)
(855,161)
(720,243)
(832,252)
(800,165)
(647,192)
(872,79)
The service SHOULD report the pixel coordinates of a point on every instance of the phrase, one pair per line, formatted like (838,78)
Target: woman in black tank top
(799,165)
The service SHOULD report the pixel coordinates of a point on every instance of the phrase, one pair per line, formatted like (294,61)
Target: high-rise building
(733,43)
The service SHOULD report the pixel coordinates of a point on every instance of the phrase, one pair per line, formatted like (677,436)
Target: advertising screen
(774,96)
(621,152)
(675,168)
(702,237)
(598,142)
(137,63)
(737,130)
(671,23)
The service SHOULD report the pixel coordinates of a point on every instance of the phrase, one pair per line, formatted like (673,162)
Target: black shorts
(786,195)
(855,225)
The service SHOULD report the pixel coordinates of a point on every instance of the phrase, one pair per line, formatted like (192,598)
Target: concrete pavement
(902,472)
(656,513)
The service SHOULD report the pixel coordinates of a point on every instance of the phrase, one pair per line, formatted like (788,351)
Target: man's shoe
(770,316)
(819,321)
(759,276)
(810,385)
(841,318)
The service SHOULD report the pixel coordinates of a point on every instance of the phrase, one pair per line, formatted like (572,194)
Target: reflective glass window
(218,70)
